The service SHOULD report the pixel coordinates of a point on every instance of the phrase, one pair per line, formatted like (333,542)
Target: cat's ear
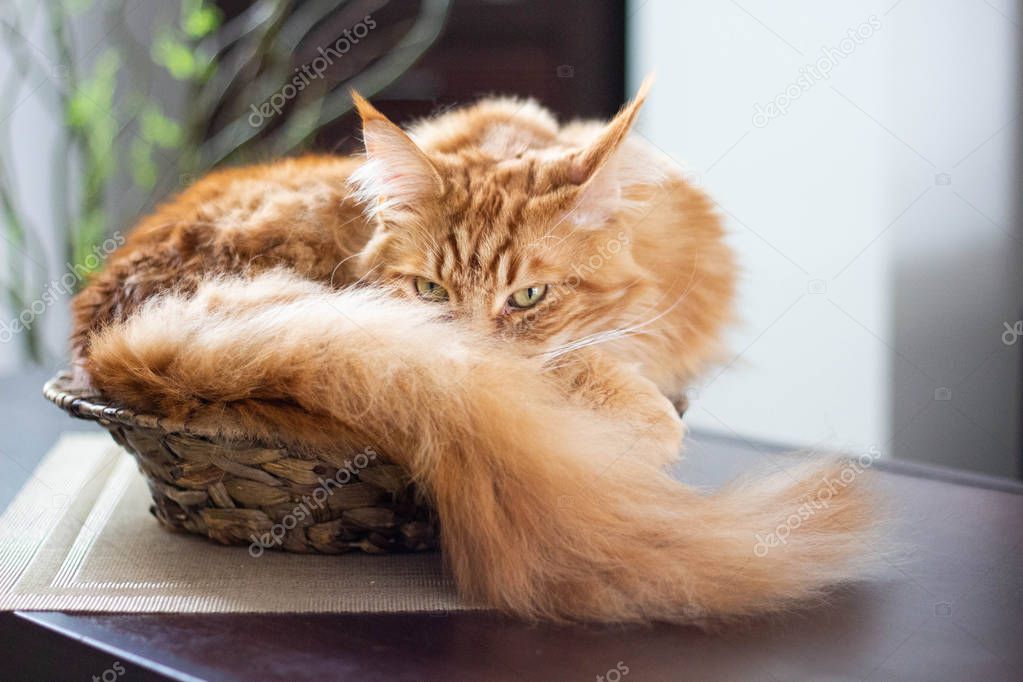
(396,172)
(603,168)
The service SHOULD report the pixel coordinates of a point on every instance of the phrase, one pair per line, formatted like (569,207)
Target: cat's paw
(663,435)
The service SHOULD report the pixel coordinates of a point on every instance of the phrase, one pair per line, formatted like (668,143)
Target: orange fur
(548,510)
(276,302)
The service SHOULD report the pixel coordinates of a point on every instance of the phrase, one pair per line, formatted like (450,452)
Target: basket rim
(92,406)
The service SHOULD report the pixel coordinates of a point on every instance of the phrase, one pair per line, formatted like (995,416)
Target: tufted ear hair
(605,166)
(396,173)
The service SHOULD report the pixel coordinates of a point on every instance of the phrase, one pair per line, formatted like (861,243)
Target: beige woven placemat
(79,537)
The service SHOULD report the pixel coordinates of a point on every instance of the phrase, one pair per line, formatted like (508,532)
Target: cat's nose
(461,315)
(478,319)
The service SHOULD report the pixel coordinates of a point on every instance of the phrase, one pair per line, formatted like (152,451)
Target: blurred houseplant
(143,116)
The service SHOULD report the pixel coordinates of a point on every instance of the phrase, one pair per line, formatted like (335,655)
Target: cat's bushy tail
(546,510)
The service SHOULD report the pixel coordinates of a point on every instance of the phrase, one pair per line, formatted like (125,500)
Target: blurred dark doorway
(569,55)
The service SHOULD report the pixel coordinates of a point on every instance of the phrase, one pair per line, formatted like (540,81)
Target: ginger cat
(507,307)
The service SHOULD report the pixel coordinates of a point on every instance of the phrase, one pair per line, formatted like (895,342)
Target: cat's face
(510,262)
(528,248)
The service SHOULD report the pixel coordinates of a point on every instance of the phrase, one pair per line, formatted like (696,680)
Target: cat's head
(511,222)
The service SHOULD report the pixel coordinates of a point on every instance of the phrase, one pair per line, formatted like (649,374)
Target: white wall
(30,121)
(868,285)
(29,125)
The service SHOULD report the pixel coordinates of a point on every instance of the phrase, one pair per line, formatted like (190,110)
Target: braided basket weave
(260,494)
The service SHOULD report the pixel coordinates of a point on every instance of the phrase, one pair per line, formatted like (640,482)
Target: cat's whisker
(362,279)
(549,234)
(602,337)
(338,267)
(592,340)
(425,232)
(681,297)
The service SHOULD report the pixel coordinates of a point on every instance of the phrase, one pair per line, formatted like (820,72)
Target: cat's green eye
(528,297)
(431,291)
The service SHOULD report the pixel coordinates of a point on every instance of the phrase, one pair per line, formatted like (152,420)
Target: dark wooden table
(950,608)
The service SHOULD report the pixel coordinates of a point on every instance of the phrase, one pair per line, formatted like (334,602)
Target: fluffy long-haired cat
(507,307)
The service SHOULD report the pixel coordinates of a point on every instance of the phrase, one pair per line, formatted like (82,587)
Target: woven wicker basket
(261,494)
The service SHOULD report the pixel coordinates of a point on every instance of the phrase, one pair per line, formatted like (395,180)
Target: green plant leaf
(158,129)
(143,168)
(80,109)
(77,7)
(175,56)
(93,100)
(88,232)
(199,19)
(101,159)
